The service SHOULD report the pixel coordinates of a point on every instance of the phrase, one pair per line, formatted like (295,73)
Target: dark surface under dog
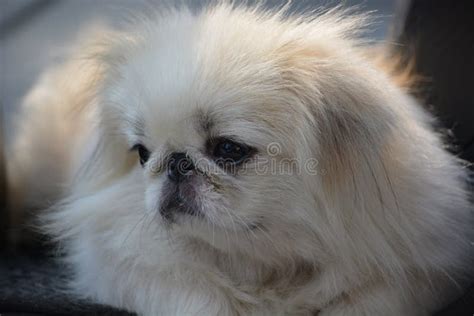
(32,285)
(37,286)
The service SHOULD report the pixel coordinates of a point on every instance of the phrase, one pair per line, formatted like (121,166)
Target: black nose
(179,166)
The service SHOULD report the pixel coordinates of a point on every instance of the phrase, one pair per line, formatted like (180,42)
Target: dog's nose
(179,166)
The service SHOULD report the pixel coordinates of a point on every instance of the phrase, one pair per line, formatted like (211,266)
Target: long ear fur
(57,136)
(395,199)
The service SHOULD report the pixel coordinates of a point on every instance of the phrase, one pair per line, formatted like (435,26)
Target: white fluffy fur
(381,229)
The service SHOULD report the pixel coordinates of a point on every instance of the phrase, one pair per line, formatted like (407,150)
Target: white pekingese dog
(237,161)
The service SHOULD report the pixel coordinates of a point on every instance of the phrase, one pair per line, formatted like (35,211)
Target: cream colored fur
(381,227)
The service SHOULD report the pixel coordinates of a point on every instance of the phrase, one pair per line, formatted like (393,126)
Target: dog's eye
(143,153)
(228,151)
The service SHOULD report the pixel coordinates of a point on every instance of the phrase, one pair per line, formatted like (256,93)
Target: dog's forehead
(182,94)
(195,80)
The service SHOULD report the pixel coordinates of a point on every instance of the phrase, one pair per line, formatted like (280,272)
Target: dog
(243,161)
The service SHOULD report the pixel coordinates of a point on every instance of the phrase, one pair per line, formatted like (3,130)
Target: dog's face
(229,131)
(221,152)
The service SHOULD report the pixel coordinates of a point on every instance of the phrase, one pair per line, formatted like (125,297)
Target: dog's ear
(107,154)
(63,125)
(357,125)
(346,105)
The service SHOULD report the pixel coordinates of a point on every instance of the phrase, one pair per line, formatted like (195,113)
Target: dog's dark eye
(228,151)
(143,153)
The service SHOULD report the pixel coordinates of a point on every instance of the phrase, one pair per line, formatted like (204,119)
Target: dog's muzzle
(178,195)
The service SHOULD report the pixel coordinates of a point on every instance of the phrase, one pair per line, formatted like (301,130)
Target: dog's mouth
(185,202)
(179,200)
